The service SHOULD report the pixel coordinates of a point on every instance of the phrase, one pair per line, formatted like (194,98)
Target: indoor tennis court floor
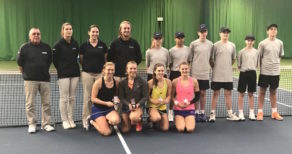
(221,137)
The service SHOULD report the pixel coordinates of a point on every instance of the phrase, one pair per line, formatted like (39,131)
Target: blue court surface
(221,137)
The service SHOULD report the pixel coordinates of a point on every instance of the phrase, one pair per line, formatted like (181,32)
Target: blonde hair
(130,62)
(123,22)
(153,44)
(62,28)
(105,65)
(183,63)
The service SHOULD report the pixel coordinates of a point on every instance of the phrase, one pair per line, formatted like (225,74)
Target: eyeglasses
(36,33)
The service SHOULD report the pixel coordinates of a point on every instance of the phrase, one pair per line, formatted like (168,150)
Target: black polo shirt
(121,52)
(93,57)
(65,56)
(35,61)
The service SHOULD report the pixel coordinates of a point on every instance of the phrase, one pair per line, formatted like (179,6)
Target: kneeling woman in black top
(104,97)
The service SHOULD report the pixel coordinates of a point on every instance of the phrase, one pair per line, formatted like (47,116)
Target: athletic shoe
(277,116)
(72,124)
(86,124)
(260,116)
(232,117)
(48,128)
(150,125)
(197,116)
(66,125)
(241,117)
(139,127)
(212,117)
(251,117)
(203,117)
(31,129)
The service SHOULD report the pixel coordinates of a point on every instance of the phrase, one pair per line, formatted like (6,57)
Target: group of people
(113,93)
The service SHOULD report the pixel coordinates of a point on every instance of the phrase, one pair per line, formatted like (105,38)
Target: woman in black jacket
(65,57)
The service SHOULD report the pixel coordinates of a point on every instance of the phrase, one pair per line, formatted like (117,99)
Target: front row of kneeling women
(129,97)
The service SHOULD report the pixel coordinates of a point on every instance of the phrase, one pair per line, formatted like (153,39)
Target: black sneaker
(198,118)
(203,117)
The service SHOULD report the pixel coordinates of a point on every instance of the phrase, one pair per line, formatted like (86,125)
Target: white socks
(229,111)
(198,111)
(274,110)
(260,110)
(213,111)
(240,112)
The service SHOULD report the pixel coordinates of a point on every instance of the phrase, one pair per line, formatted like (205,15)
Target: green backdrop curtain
(242,16)
(249,17)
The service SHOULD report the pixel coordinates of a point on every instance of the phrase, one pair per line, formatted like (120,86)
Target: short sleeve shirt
(222,55)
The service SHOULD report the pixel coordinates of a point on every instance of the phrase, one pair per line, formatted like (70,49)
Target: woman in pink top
(185,92)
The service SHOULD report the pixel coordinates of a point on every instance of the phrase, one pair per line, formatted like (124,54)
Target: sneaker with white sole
(252,117)
(66,125)
(232,117)
(48,128)
(241,117)
(212,117)
(86,124)
(31,129)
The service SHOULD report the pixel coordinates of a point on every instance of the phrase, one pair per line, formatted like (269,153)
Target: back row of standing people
(93,54)
(221,55)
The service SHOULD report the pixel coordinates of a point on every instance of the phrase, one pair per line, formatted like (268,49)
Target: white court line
(122,140)
(289,106)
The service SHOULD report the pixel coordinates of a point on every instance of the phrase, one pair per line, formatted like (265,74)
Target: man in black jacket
(34,60)
(124,49)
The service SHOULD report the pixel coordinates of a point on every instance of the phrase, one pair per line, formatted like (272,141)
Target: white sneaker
(212,117)
(66,125)
(232,117)
(86,123)
(31,129)
(72,124)
(252,117)
(170,115)
(241,117)
(48,128)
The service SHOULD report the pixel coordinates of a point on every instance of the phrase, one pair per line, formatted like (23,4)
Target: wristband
(176,102)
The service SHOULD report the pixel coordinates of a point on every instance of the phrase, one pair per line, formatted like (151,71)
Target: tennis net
(12,98)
